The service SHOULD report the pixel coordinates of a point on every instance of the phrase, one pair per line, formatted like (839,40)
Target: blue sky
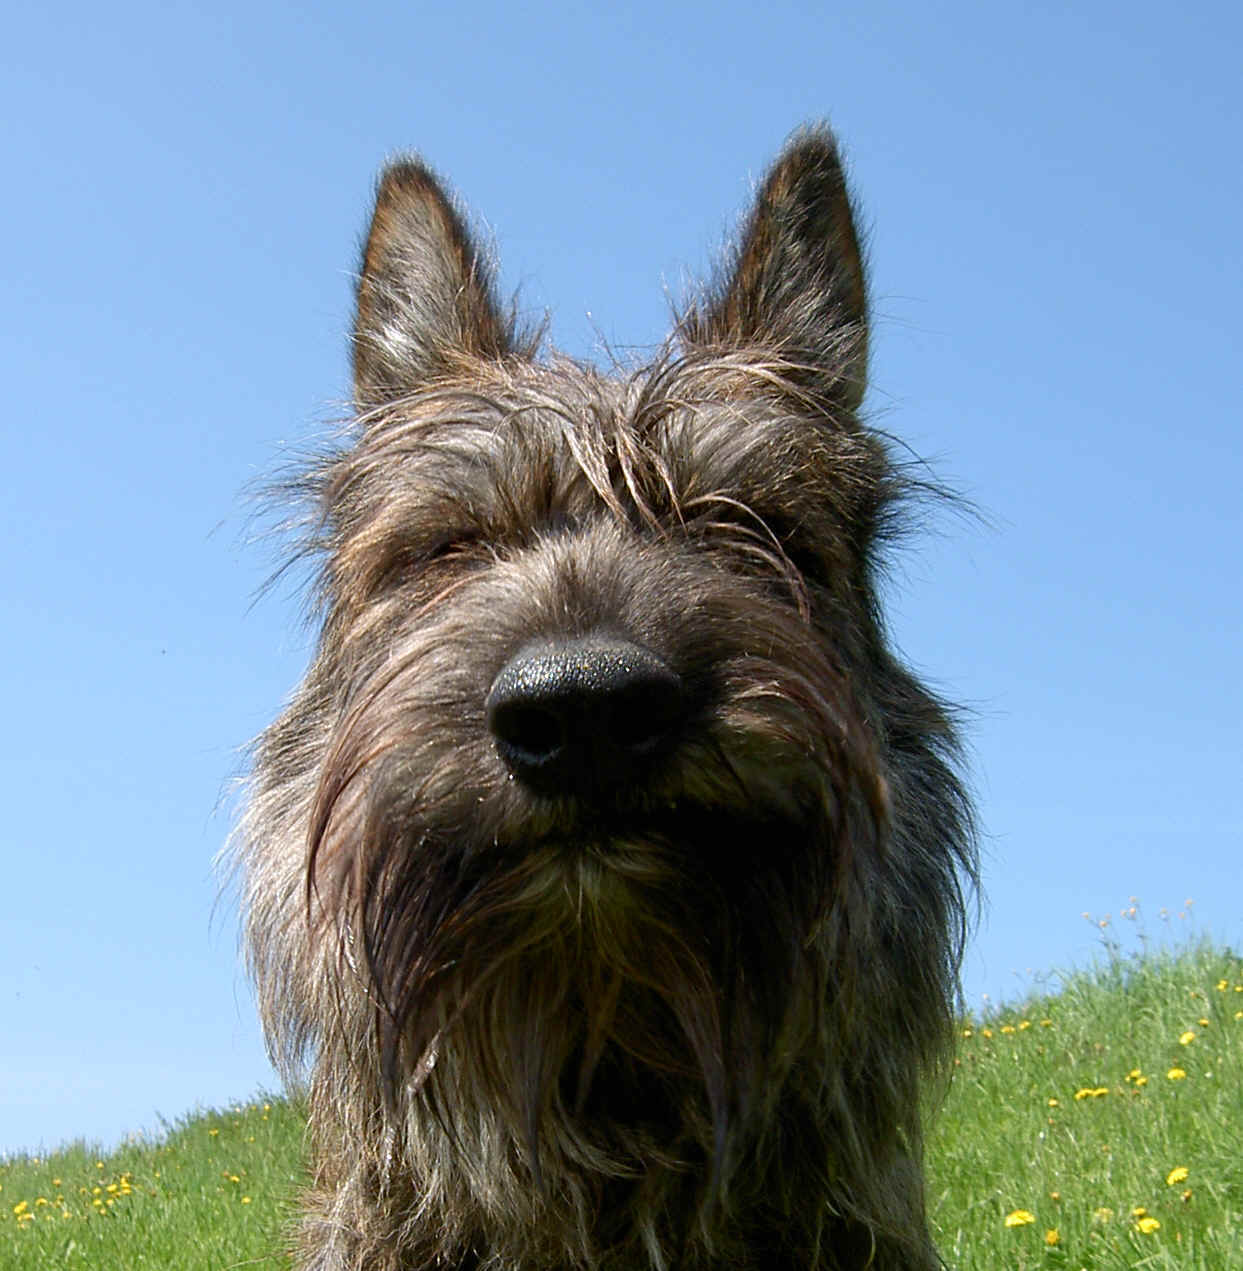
(1053,197)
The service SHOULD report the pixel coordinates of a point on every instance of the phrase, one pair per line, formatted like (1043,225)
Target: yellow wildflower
(1176,1074)
(1148,1225)
(1187,1038)
(1020,1218)
(1177,1175)
(1052,1238)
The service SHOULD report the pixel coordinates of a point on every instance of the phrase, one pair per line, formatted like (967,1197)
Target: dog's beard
(624,989)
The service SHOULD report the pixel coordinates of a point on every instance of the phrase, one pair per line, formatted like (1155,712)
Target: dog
(606,877)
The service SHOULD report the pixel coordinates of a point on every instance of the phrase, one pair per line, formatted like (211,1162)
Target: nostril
(640,715)
(531,728)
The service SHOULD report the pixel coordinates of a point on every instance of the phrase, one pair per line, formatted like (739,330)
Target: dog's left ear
(797,289)
(425,295)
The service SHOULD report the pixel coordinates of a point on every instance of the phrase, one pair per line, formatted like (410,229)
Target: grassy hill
(1099,1128)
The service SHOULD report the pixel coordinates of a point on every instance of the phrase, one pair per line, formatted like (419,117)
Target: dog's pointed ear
(797,289)
(425,298)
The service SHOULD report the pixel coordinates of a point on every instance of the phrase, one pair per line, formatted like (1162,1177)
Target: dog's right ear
(425,298)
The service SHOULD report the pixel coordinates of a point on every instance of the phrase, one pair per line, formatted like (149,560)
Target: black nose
(575,716)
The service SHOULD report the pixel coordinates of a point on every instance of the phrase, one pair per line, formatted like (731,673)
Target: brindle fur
(676,1020)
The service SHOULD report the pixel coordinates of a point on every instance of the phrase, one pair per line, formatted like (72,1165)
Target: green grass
(1104,1122)
(1066,1116)
(215,1192)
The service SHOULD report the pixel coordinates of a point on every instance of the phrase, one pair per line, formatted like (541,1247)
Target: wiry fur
(676,1022)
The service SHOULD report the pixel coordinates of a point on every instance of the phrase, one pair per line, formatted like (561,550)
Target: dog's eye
(409,562)
(448,547)
(783,539)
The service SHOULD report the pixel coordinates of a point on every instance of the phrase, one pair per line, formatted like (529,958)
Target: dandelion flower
(1187,1038)
(1051,1237)
(1020,1218)
(1176,1074)
(1148,1225)
(1177,1175)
